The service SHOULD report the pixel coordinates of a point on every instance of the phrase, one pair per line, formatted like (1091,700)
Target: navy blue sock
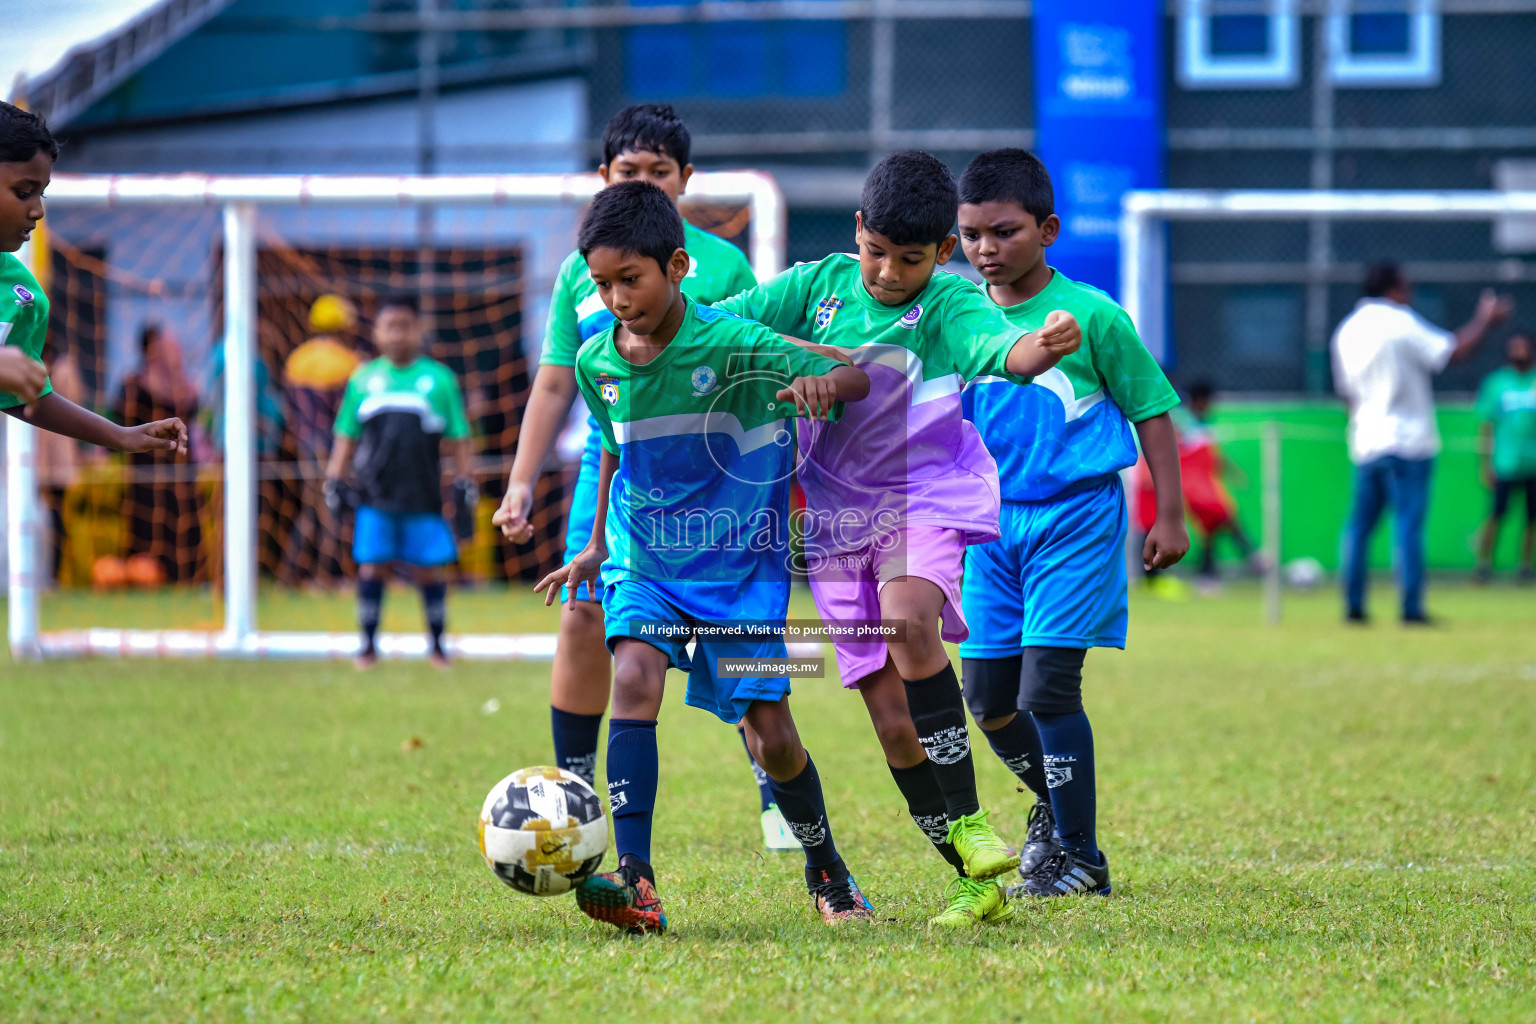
(764,790)
(803,808)
(370,603)
(575,741)
(1068,744)
(434,602)
(632,772)
(1017,745)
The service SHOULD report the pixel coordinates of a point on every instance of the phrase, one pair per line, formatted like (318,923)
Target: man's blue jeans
(1403,484)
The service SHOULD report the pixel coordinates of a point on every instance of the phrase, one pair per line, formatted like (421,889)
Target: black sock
(1068,742)
(434,601)
(576,741)
(801,803)
(370,602)
(925,802)
(1017,745)
(938,712)
(764,791)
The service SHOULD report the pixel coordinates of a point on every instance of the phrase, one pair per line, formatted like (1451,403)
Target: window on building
(1384,43)
(734,59)
(1238,44)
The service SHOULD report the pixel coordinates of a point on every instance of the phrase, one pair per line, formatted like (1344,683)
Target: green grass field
(1308,823)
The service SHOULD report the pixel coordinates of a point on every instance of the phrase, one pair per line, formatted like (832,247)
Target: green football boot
(972,903)
(985,854)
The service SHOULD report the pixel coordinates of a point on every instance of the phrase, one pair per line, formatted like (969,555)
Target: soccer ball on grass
(543,831)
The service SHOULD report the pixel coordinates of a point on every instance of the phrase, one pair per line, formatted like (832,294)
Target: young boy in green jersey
(1506,404)
(395,414)
(647,142)
(1054,584)
(901,484)
(27,153)
(690,535)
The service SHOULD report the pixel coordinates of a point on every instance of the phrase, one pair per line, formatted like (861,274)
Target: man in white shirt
(1384,355)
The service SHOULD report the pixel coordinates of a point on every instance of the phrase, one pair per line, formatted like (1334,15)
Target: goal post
(1144,282)
(237,200)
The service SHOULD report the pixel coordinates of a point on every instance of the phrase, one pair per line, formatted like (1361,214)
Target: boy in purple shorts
(898,488)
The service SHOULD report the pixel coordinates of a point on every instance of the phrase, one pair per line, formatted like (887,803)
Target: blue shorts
(634,609)
(415,538)
(1056,578)
(578,522)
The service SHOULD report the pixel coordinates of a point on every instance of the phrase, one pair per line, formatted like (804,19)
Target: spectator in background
(1384,355)
(164,514)
(58,456)
(1506,404)
(314,379)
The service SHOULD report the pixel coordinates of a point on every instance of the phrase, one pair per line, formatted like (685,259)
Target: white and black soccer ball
(542,830)
(1305,573)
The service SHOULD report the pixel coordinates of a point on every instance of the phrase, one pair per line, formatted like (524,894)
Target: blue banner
(1098,120)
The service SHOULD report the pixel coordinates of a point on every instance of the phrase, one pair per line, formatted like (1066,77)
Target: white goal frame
(239,197)
(1143,275)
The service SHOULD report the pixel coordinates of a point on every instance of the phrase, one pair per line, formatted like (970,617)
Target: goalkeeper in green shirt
(27,153)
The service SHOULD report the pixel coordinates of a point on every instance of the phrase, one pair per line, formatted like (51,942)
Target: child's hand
(813,396)
(21,375)
(512,516)
(584,568)
(1167,542)
(160,436)
(1061,334)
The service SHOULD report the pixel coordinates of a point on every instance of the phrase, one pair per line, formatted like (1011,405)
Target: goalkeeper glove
(465,494)
(338,496)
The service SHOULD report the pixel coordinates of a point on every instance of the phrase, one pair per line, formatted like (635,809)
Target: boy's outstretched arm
(1168,540)
(587,565)
(58,415)
(815,396)
(1040,350)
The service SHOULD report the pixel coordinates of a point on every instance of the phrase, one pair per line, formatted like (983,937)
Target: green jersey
(699,506)
(23,316)
(717,270)
(1073,423)
(1507,401)
(905,454)
(398,415)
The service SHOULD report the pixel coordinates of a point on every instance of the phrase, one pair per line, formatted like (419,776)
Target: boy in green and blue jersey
(1054,584)
(690,538)
(646,142)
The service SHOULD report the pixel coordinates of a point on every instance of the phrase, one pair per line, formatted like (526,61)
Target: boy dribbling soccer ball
(694,406)
(646,142)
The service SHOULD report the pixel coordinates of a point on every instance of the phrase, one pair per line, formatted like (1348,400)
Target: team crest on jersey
(608,387)
(24,296)
(826,309)
(912,316)
(704,381)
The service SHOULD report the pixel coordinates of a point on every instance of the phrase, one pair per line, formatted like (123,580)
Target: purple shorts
(847,587)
